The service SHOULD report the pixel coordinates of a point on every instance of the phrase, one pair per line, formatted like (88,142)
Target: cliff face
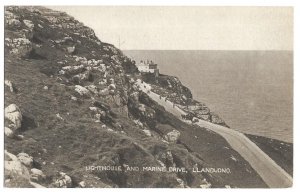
(71,103)
(173,90)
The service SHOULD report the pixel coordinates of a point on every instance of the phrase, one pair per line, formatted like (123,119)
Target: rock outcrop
(8,132)
(63,180)
(13,165)
(16,173)
(13,114)
(170,88)
(26,159)
(172,136)
(37,175)
(81,90)
(10,85)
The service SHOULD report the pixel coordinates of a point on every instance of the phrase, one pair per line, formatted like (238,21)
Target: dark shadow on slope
(27,124)
(34,55)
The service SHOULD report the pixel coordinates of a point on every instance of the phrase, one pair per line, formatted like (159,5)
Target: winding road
(271,173)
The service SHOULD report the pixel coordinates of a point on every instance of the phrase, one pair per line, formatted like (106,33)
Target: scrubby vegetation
(80,107)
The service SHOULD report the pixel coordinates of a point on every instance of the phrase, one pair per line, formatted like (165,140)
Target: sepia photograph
(148,96)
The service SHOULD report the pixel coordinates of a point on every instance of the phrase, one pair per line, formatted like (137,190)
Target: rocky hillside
(172,89)
(72,108)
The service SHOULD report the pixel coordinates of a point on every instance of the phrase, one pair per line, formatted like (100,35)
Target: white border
(157,2)
(293,3)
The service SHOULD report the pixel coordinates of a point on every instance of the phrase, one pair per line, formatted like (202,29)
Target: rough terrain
(72,102)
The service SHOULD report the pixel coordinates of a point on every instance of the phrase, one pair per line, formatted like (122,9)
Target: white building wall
(146,69)
(143,68)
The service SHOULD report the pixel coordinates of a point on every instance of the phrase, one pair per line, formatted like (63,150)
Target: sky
(188,28)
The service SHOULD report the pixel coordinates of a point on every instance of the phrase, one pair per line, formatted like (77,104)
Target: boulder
(172,136)
(64,181)
(8,132)
(104,92)
(98,117)
(147,132)
(28,24)
(71,49)
(14,169)
(138,122)
(14,23)
(10,85)
(26,159)
(20,137)
(13,164)
(94,109)
(73,98)
(37,175)
(81,90)
(110,130)
(180,183)
(14,115)
(59,117)
(111,91)
(112,86)
(111,80)
(82,184)
(142,108)
(103,82)
(82,76)
(61,72)
(92,88)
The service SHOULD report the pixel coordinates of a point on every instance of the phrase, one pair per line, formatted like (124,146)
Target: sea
(252,91)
